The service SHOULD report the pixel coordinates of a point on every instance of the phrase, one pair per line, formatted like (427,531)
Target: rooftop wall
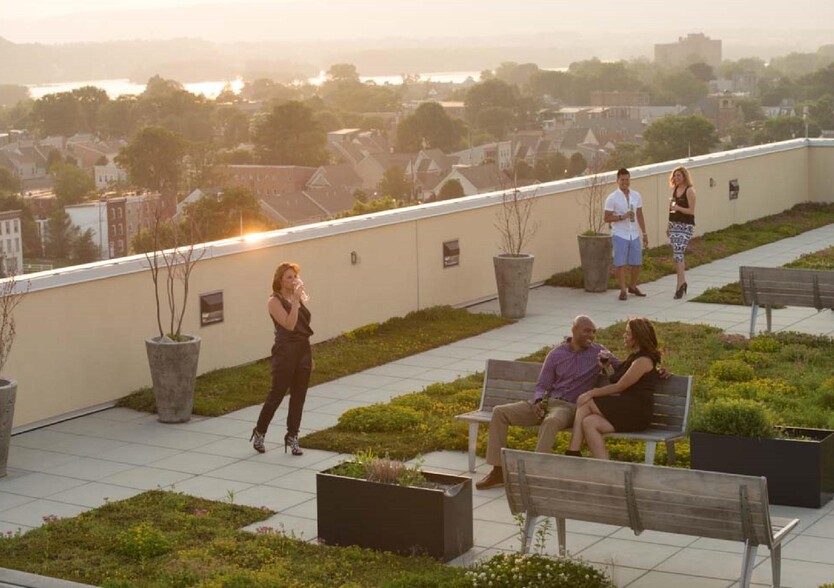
(81,330)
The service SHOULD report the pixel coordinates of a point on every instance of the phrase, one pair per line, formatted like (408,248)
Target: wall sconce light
(354,259)
(451,253)
(211,308)
(712,182)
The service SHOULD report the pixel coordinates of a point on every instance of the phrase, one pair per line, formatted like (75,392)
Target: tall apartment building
(694,48)
(126,216)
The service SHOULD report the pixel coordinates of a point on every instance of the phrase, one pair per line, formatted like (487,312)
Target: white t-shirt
(619,204)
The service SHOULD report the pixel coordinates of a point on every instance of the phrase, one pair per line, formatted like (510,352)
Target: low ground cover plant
(658,262)
(225,390)
(731,293)
(786,374)
(164,539)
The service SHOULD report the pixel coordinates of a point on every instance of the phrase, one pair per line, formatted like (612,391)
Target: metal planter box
(401,519)
(799,472)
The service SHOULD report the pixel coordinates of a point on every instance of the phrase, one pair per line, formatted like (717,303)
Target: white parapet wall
(81,330)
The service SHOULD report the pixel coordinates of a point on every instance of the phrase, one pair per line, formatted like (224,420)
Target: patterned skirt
(679,236)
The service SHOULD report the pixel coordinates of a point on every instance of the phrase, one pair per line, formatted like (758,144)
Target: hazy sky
(58,21)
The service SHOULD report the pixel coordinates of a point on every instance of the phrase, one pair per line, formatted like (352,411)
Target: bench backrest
(671,404)
(508,381)
(768,286)
(642,497)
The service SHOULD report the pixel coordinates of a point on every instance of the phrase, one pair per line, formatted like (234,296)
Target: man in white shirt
(624,210)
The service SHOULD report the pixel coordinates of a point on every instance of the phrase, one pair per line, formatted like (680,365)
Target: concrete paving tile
(120,414)
(38,485)
(621,575)
(88,468)
(795,574)
(339,406)
(32,513)
(333,390)
(146,478)
(619,552)
(90,425)
(59,442)
(404,386)
(37,460)
(193,462)
(664,580)
(13,529)
(8,500)
(169,436)
(425,360)
(240,448)
(94,494)
(212,488)
(363,379)
(655,537)
(396,370)
(824,527)
(301,479)
(453,352)
(250,472)
(248,414)
(225,427)
(489,533)
(306,510)
(277,499)
(315,421)
(813,549)
(690,561)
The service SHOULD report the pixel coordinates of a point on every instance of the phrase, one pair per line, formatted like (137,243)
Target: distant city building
(108,174)
(126,216)
(694,48)
(600,98)
(11,243)
(265,180)
(92,216)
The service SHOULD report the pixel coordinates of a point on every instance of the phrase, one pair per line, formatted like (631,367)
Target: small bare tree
(514,221)
(514,218)
(11,294)
(593,197)
(172,252)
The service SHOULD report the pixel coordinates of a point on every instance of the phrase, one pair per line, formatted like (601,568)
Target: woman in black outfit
(681,221)
(627,403)
(292,361)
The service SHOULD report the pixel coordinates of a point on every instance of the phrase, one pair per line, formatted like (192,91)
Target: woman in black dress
(681,222)
(292,361)
(627,403)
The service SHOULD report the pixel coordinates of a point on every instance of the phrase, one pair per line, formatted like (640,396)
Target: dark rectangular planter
(400,519)
(799,472)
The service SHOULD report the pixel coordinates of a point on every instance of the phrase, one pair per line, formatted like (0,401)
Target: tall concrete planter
(8,395)
(513,274)
(595,256)
(174,373)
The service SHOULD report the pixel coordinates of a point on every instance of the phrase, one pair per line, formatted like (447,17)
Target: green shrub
(731,370)
(732,416)
(509,570)
(757,359)
(142,542)
(762,389)
(798,353)
(379,418)
(363,332)
(764,343)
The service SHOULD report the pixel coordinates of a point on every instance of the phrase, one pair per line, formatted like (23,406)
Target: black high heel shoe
(258,441)
(680,291)
(292,442)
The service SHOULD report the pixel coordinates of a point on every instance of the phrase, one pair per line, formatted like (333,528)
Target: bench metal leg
(670,453)
(561,535)
(473,443)
(747,562)
(753,313)
(527,532)
(776,564)
(651,448)
(767,314)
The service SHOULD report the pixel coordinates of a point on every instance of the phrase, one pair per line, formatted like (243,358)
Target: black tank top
(681,217)
(302,330)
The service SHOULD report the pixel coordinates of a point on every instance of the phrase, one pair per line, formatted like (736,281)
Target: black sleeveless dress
(632,409)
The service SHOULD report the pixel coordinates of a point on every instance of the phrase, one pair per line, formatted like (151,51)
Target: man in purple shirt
(569,370)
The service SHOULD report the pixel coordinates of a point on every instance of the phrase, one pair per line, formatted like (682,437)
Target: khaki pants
(559,417)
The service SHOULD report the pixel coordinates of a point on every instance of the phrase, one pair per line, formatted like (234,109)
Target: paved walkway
(71,467)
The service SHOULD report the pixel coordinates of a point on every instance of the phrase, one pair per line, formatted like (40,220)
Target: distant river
(115,88)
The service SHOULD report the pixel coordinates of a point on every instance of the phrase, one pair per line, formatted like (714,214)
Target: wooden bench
(772,286)
(641,497)
(510,381)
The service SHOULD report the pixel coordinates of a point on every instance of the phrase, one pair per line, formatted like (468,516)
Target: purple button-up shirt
(567,373)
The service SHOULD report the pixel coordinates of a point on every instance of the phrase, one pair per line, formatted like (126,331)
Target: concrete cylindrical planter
(595,255)
(513,274)
(8,395)
(174,373)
